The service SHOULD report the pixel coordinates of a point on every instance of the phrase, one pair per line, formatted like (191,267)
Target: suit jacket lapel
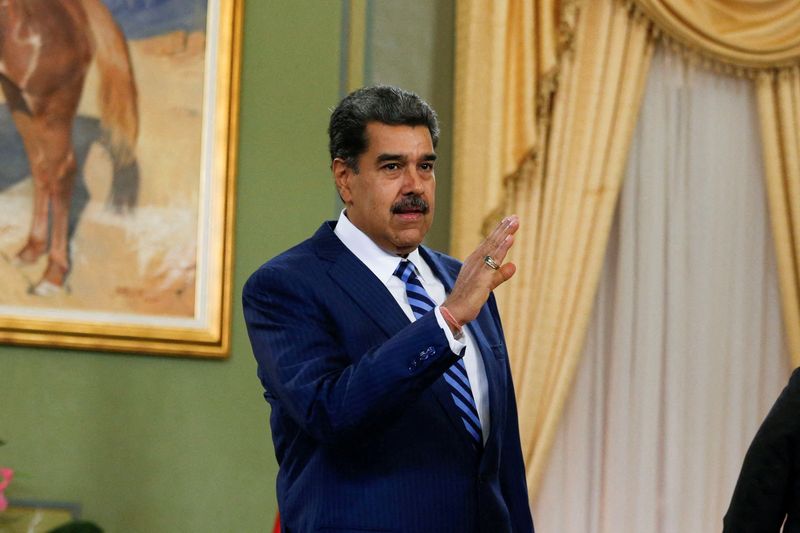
(358,281)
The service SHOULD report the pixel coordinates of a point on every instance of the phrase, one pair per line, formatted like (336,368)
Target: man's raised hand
(479,276)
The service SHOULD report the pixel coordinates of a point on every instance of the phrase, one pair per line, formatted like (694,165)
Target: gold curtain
(750,34)
(779,110)
(562,176)
(566,206)
(506,71)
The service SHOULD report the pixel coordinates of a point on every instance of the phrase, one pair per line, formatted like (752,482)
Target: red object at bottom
(277,528)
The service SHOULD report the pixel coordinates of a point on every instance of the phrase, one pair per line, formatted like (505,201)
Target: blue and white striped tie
(455,376)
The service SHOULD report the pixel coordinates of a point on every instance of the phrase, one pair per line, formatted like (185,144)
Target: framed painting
(118,122)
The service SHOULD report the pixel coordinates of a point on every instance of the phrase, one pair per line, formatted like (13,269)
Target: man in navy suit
(384,362)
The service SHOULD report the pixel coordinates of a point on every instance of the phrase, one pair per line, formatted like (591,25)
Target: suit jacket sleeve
(331,393)
(759,502)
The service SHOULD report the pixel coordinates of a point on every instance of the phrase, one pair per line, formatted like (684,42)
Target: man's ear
(341,177)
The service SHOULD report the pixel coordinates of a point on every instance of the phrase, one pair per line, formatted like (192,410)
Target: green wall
(150,444)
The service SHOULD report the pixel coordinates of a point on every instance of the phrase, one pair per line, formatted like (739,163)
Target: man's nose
(412,181)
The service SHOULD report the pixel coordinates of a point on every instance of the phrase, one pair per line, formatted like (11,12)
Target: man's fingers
(498,252)
(507,226)
(497,232)
(502,249)
(496,246)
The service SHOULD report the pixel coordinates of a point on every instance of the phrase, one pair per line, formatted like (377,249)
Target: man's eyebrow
(390,157)
(399,157)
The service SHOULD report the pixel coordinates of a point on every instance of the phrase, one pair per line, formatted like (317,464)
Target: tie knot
(418,298)
(404,270)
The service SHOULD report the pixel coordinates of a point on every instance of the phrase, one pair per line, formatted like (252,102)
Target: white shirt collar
(379,261)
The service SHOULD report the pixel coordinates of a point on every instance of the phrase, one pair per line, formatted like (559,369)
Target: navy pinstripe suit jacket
(366,435)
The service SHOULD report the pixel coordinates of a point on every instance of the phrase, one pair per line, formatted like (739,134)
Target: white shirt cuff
(456,345)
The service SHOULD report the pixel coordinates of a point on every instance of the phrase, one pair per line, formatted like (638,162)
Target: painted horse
(46,48)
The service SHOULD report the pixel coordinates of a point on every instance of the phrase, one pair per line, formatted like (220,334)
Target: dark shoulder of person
(768,489)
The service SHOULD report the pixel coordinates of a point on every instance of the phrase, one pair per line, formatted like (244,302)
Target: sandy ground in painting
(141,262)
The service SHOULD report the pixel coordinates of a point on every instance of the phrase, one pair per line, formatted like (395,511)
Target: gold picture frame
(154,277)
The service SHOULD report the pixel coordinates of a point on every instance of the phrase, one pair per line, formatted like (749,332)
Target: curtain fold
(506,72)
(566,206)
(779,112)
(749,34)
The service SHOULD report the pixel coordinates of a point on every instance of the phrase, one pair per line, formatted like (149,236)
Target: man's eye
(426,166)
(391,166)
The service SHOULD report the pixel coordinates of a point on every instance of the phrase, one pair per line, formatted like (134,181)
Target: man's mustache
(411,203)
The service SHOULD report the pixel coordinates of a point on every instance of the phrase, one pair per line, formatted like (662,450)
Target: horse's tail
(119,114)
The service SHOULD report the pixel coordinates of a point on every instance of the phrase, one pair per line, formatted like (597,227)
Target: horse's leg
(64,168)
(56,122)
(36,245)
(53,165)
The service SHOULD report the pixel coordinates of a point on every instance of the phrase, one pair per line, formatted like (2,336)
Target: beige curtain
(762,39)
(684,354)
(779,111)
(565,194)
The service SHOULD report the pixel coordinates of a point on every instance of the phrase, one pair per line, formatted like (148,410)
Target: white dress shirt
(383,264)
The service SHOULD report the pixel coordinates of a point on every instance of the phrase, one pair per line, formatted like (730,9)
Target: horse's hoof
(54,275)
(31,252)
(45,288)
